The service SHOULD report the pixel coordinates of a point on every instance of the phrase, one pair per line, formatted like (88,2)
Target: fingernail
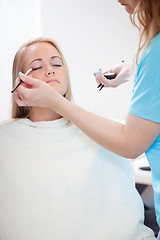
(94,74)
(99,69)
(21,74)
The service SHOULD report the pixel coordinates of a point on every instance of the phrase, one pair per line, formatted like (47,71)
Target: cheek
(65,82)
(63,76)
(36,75)
(133,4)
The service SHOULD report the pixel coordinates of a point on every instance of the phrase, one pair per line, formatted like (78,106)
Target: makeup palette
(108,75)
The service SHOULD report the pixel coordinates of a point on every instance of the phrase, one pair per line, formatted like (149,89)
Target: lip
(123,4)
(52,80)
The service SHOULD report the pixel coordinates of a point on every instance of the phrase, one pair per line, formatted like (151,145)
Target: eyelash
(33,69)
(55,65)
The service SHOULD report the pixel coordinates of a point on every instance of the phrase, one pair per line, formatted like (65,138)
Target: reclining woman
(55,182)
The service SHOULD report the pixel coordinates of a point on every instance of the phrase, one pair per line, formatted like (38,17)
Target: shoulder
(155,41)
(152,52)
(148,66)
(153,47)
(8,124)
(145,101)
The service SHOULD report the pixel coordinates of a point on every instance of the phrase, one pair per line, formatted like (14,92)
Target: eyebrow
(40,59)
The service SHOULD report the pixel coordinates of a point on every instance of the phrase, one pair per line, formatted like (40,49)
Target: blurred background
(92,35)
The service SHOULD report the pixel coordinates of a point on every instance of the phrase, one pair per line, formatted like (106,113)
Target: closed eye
(36,68)
(57,65)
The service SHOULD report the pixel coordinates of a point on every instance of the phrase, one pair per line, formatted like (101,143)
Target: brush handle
(16,86)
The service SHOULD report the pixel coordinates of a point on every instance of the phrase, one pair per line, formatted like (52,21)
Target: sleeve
(145,101)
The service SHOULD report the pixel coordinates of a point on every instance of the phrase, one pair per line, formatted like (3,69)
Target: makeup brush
(29,70)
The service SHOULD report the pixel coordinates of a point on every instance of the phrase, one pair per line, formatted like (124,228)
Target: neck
(43,114)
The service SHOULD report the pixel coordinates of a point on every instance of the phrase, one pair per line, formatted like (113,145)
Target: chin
(62,92)
(129,10)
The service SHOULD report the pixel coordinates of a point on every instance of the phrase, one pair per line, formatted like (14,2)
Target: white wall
(92,35)
(19,21)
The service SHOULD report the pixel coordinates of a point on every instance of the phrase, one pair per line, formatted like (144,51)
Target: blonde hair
(148,14)
(18,65)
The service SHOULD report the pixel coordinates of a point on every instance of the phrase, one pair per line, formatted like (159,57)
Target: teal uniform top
(145,103)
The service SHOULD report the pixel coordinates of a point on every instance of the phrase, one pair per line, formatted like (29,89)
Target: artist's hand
(122,70)
(34,92)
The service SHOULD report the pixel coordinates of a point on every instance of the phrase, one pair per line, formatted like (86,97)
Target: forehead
(40,50)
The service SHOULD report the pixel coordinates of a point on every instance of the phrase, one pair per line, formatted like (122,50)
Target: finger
(23,90)
(17,80)
(29,80)
(96,77)
(103,79)
(26,85)
(110,83)
(19,100)
(109,70)
(98,82)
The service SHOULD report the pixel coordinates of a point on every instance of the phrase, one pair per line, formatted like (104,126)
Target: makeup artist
(141,131)
(55,182)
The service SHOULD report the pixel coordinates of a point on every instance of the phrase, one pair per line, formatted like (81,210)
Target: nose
(50,71)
